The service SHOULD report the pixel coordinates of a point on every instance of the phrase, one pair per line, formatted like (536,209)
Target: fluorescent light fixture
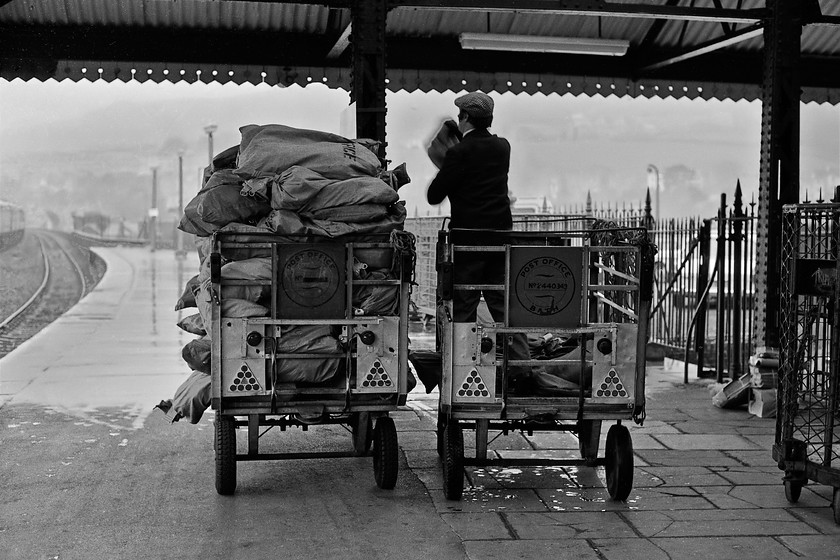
(534,43)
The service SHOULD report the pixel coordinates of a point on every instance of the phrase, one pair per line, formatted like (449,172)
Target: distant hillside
(88,145)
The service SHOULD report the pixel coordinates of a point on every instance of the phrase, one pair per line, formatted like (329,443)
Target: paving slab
(813,547)
(568,525)
(759,496)
(750,476)
(471,526)
(640,499)
(630,548)
(725,548)
(480,500)
(523,477)
(717,523)
(530,550)
(706,441)
(687,457)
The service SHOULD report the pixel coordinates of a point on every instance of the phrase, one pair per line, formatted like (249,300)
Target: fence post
(702,304)
(720,316)
(737,282)
(647,218)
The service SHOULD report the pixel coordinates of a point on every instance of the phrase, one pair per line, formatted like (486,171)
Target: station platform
(705,484)
(119,347)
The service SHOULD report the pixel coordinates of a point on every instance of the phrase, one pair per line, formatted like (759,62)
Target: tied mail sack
(272,149)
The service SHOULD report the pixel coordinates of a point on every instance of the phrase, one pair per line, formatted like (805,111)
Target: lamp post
(210,129)
(655,170)
(153,211)
(179,239)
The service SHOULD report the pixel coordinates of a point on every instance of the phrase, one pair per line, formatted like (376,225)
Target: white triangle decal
(611,386)
(473,386)
(377,376)
(245,380)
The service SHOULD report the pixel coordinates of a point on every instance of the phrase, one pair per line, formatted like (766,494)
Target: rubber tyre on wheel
(385,453)
(619,462)
(453,461)
(835,505)
(225,447)
(362,428)
(441,426)
(793,490)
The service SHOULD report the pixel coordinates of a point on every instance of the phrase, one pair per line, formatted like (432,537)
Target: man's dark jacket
(475,178)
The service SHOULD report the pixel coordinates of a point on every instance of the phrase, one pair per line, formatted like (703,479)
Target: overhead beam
(602,8)
(710,46)
(341,43)
(655,28)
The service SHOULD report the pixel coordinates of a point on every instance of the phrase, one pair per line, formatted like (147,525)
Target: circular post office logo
(545,286)
(310,278)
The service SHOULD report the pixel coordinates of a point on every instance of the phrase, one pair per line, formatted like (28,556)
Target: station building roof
(675,48)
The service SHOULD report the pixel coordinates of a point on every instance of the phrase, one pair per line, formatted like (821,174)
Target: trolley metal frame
(807,442)
(609,319)
(372,347)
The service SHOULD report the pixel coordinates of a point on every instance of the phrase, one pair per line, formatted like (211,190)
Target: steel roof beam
(593,8)
(655,28)
(710,46)
(566,7)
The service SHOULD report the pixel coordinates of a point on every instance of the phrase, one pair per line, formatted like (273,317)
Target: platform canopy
(650,48)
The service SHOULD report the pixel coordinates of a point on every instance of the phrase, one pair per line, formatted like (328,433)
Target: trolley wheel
(453,461)
(835,505)
(589,437)
(385,453)
(619,462)
(441,427)
(362,428)
(225,447)
(793,489)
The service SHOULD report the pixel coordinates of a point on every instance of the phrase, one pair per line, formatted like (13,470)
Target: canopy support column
(779,165)
(368,44)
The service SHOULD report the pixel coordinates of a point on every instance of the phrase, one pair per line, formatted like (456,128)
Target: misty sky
(563,146)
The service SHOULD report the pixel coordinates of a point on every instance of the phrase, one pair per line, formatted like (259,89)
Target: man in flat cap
(474,176)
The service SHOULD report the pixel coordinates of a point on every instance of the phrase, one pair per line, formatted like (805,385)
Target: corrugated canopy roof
(677,48)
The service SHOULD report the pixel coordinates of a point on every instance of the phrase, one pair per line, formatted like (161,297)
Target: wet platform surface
(705,484)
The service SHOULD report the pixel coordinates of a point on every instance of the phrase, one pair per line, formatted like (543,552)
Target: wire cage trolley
(589,289)
(807,442)
(313,283)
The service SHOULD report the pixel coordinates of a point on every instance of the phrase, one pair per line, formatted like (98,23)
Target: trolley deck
(313,284)
(590,287)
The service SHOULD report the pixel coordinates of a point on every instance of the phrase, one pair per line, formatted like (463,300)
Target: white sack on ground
(271,149)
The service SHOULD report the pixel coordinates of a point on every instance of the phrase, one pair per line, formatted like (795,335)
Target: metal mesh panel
(808,379)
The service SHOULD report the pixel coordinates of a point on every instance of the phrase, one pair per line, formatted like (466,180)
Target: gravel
(21,272)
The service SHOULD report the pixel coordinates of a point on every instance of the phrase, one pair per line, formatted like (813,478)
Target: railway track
(65,281)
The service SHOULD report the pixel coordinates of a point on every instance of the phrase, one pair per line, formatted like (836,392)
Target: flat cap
(475,104)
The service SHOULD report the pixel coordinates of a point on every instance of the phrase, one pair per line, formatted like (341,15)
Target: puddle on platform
(586,489)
